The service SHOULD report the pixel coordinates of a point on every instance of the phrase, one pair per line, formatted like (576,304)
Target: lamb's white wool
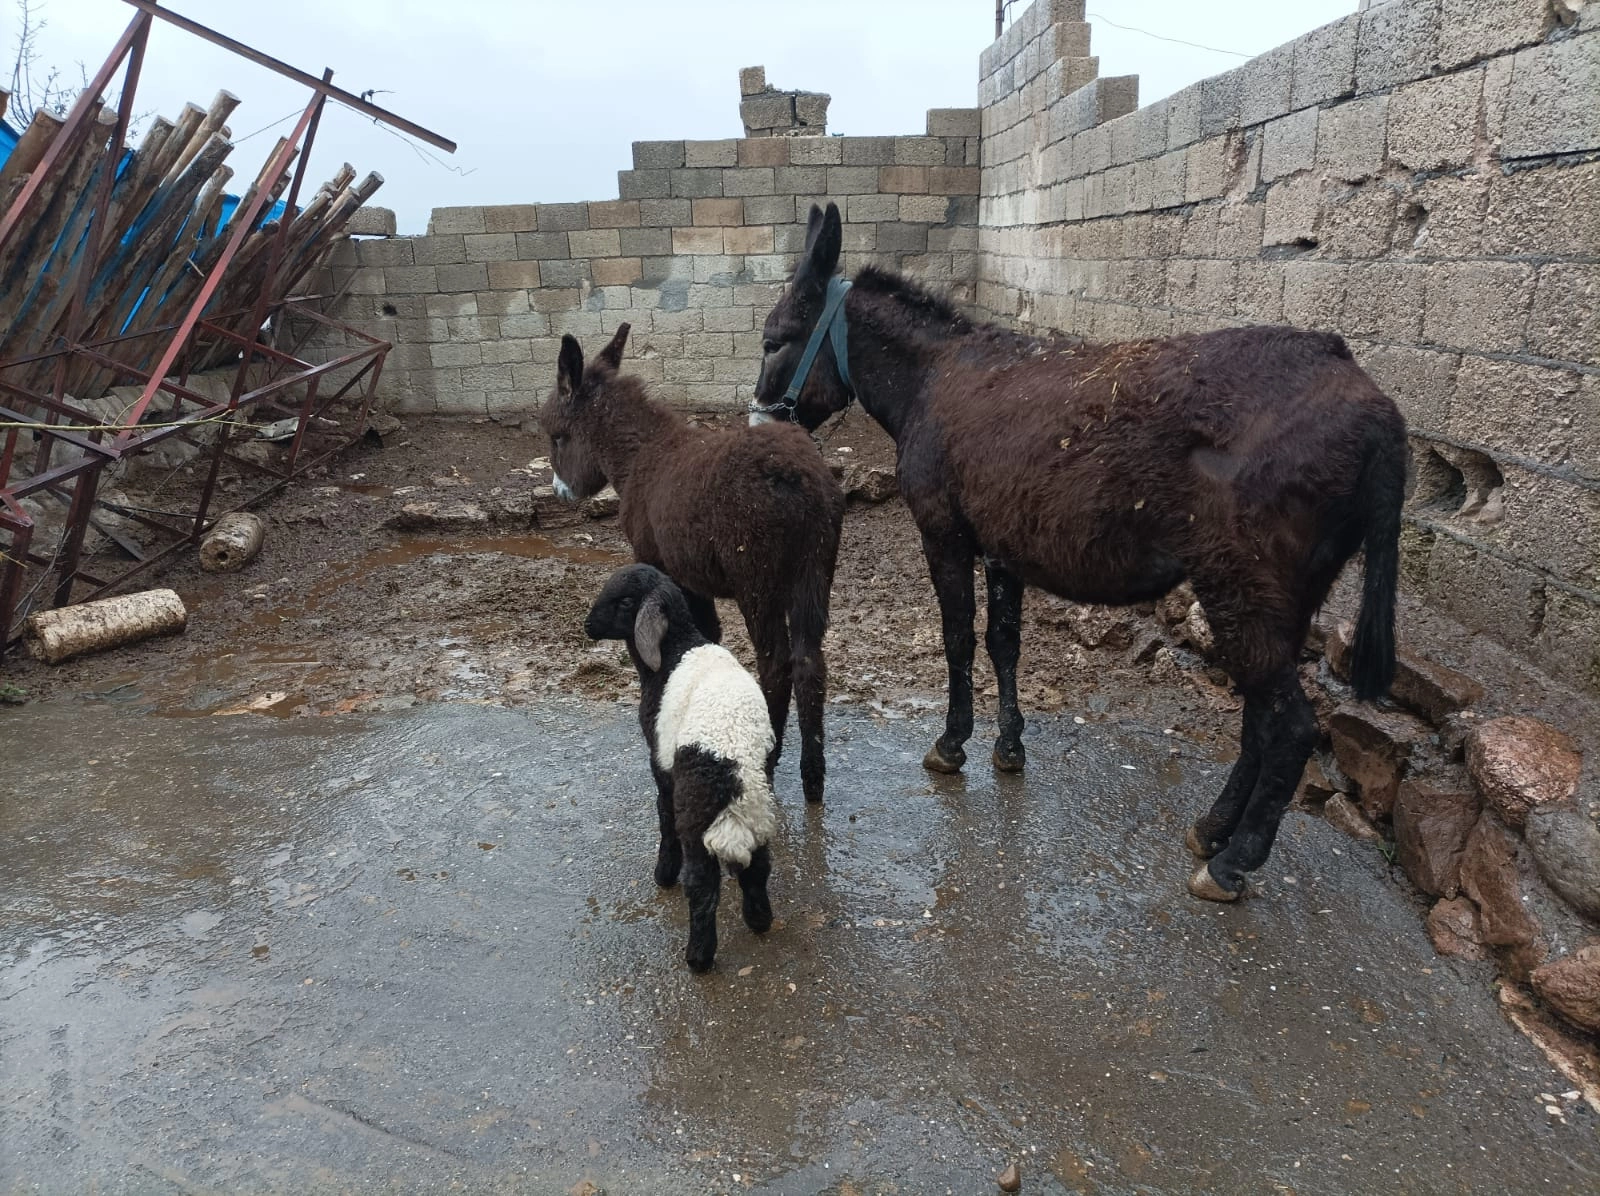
(757,418)
(711,702)
(563,491)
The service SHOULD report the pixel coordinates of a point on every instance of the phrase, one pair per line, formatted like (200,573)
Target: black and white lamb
(705,720)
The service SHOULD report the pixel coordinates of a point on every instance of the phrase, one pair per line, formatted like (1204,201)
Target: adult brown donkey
(1253,462)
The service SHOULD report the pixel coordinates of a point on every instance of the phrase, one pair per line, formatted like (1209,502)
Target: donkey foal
(705,720)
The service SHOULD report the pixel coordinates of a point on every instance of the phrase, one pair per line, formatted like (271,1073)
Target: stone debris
(1345,815)
(1196,631)
(1374,749)
(1489,876)
(1571,986)
(602,506)
(1455,931)
(1431,689)
(1433,817)
(440,517)
(1010,1180)
(1518,763)
(1566,847)
(870,483)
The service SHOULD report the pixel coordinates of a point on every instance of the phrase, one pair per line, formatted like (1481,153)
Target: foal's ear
(569,367)
(649,625)
(822,247)
(612,353)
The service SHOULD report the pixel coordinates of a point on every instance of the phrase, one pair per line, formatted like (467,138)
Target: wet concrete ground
(420,949)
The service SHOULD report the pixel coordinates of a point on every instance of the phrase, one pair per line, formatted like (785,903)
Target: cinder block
(763,151)
(502,303)
(1183,117)
(1219,102)
(871,208)
(616,272)
(1420,381)
(1471,29)
(370,221)
(525,325)
(747,240)
(553,299)
(717,212)
(1485,592)
(952,122)
(663,213)
(1208,169)
(1481,306)
(600,242)
(1551,210)
(1260,292)
(1444,216)
(489,247)
(1358,222)
(1313,293)
(928,209)
(513,275)
(576,323)
(1553,107)
(644,184)
(1289,144)
(557,273)
(454,353)
(908,180)
(857,238)
(953,180)
(456,220)
(1526,408)
(868,151)
(614,213)
(769,209)
(538,246)
(918,151)
(711,153)
(475,330)
(800,180)
(696,240)
(696,184)
(852,180)
(1351,137)
(815,151)
(752,80)
(408,280)
(708,344)
(1265,83)
(730,319)
(1325,63)
(511,218)
(748,180)
(563,217)
(1293,211)
(764,267)
(769,110)
(1565,321)
(444,307)
(898,237)
(657,155)
(719,268)
(1433,124)
(1398,42)
(1239,228)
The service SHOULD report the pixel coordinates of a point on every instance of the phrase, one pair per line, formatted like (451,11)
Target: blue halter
(832,324)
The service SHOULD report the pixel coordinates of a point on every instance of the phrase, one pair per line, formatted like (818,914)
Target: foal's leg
(704,613)
(702,884)
(810,675)
(669,855)
(1212,830)
(1289,736)
(950,566)
(1004,642)
(769,634)
(753,884)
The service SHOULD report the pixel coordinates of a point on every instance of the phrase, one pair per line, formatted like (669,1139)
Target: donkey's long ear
(813,227)
(822,249)
(612,353)
(569,367)
(649,625)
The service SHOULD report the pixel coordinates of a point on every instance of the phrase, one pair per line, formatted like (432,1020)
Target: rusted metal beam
(320,86)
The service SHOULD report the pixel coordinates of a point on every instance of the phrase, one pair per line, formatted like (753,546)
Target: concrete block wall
(1422,176)
(692,254)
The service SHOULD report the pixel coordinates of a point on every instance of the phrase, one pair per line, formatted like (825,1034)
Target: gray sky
(544,96)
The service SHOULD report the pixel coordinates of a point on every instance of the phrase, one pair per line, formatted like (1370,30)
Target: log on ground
(232,542)
(57,635)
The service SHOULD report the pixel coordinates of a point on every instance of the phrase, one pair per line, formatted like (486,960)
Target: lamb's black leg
(702,884)
(1212,830)
(950,566)
(669,855)
(1288,740)
(703,611)
(1004,642)
(753,883)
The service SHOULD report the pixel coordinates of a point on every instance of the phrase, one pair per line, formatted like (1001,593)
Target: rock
(1566,846)
(1374,749)
(1489,876)
(1518,763)
(1316,786)
(602,506)
(1098,627)
(440,517)
(382,423)
(1195,631)
(1571,986)
(549,511)
(1173,608)
(1431,689)
(1336,648)
(1146,642)
(869,483)
(1010,1180)
(1345,815)
(1432,820)
(1454,930)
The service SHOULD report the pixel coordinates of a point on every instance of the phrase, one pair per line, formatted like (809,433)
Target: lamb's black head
(637,604)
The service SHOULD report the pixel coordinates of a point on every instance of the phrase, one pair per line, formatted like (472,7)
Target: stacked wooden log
(165,238)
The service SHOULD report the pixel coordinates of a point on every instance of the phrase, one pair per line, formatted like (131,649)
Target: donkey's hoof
(1206,887)
(758,913)
(813,791)
(937,761)
(1009,759)
(700,959)
(1197,846)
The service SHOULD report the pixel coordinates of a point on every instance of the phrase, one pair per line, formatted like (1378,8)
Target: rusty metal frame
(292,385)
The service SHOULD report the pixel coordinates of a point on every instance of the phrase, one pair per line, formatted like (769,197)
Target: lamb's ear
(649,626)
(569,367)
(613,352)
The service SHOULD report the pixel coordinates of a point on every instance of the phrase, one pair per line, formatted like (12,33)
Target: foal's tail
(808,623)
(1382,488)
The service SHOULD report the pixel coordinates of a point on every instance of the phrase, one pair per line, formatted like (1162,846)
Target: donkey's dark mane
(928,307)
(875,280)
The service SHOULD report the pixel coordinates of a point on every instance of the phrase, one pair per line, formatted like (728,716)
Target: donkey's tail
(808,623)
(1382,489)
